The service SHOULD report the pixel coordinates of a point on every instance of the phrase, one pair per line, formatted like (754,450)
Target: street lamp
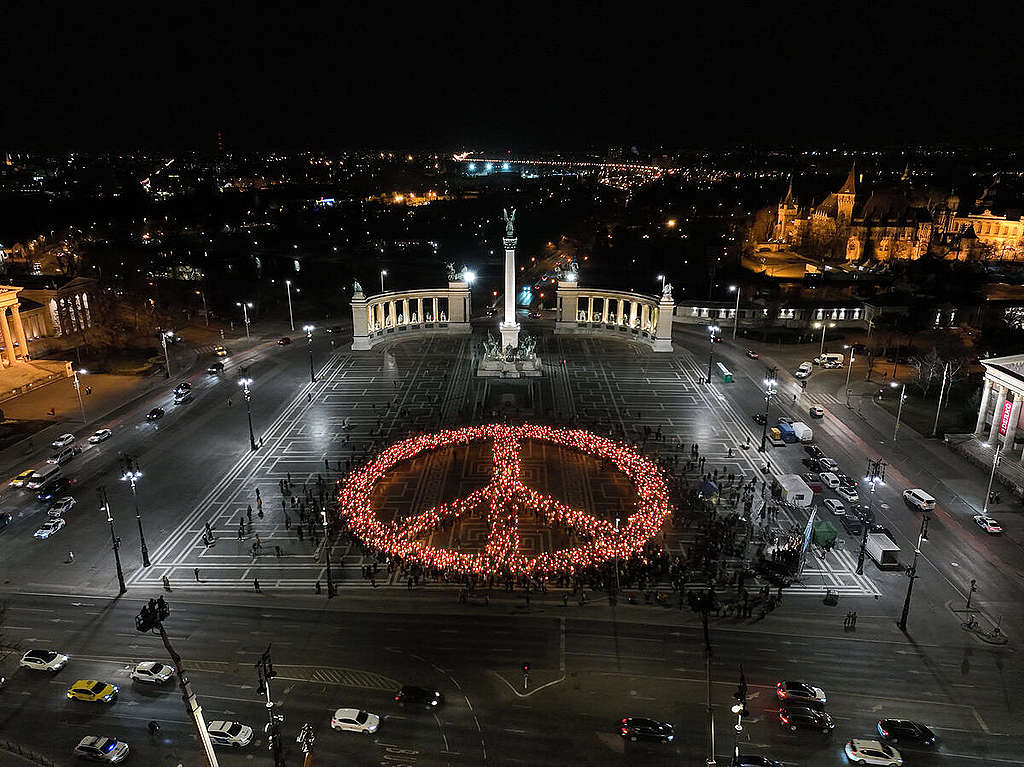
(662,278)
(912,574)
(309,343)
(469,276)
(736,311)
(876,476)
(383,274)
(132,475)
(899,410)
(849,370)
(331,591)
(247,393)
(115,541)
(991,477)
(770,383)
(712,329)
(164,335)
(291,319)
(78,390)
(246,306)
(206,312)
(264,673)
(823,326)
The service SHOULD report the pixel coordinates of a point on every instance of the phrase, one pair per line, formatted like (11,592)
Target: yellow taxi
(93,691)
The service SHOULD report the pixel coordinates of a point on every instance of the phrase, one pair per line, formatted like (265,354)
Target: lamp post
(206,312)
(736,311)
(264,673)
(247,393)
(899,410)
(383,274)
(770,383)
(991,477)
(912,574)
(291,319)
(740,709)
(824,326)
(78,390)
(309,343)
(942,391)
(246,306)
(875,475)
(114,540)
(849,369)
(132,475)
(331,591)
(164,335)
(712,329)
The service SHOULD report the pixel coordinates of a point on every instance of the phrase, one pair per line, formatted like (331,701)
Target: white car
(231,734)
(50,527)
(829,480)
(100,435)
(847,494)
(872,752)
(98,749)
(62,441)
(43,660)
(836,507)
(827,464)
(152,672)
(355,720)
(816,411)
(60,507)
(988,524)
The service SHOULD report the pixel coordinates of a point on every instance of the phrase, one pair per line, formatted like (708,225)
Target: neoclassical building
(1001,399)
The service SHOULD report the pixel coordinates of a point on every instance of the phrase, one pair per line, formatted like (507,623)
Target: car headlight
(108,697)
(670,737)
(433,702)
(70,696)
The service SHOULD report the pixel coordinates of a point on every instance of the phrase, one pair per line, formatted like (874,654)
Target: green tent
(824,534)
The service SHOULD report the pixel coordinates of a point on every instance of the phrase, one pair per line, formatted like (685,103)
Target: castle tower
(786,213)
(846,197)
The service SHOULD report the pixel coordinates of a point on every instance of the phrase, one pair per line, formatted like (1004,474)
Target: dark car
(638,728)
(53,489)
(410,695)
(845,480)
(183,387)
(5,520)
(216,367)
(759,419)
(283,341)
(751,760)
(155,414)
(905,731)
(814,482)
(796,718)
(852,525)
(799,692)
(814,451)
(863,513)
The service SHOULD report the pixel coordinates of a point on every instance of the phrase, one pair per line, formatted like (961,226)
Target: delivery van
(42,475)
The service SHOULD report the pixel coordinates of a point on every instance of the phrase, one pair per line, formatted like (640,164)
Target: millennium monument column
(509,327)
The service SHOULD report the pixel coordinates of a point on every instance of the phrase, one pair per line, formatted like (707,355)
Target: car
(813,451)
(752,354)
(864,513)
(418,696)
(232,734)
(355,720)
(831,364)
(847,493)
(639,728)
(828,464)
(155,414)
(754,760)
(802,373)
(22,479)
(100,435)
(785,420)
(798,717)
(43,660)
(283,341)
(988,524)
(62,441)
(852,525)
(152,672)
(829,480)
(183,386)
(760,419)
(717,339)
(99,749)
(93,691)
(50,527)
(215,368)
(799,692)
(5,520)
(535,315)
(64,455)
(60,507)
(816,411)
(813,481)
(860,751)
(905,731)
(221,351)
(916,498)
(834,506)
(53,489)
(182,397)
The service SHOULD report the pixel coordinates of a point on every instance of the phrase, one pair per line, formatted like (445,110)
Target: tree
(928,370)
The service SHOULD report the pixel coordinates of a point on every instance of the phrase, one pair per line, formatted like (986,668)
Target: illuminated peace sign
(501,500)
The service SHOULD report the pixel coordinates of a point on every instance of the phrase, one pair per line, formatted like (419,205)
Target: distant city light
(505,166)
(472,166)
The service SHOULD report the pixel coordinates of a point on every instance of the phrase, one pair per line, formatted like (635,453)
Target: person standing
(195,570)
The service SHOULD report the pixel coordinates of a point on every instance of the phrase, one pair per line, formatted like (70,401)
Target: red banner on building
(1004,424)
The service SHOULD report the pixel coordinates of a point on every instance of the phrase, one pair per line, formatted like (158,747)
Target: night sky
(511,76)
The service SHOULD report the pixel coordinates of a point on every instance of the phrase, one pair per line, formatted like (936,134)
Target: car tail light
(625,731)
(782,693)
(396,697)
(784,719)
(885,732)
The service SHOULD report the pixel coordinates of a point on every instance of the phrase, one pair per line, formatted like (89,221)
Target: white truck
(792,489)
(803,431)
(881,549)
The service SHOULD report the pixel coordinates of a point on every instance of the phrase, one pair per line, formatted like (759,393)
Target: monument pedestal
(492,368)
(509,334)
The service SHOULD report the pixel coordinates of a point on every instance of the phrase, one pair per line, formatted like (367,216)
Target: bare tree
(927,370)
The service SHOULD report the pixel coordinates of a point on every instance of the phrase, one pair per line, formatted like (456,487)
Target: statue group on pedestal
(527,349)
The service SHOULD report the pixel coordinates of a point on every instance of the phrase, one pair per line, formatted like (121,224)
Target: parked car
(872,752)
(830,480)
(905,731)
(988,524)
(355,720)
(155,414)
(847,493)
(99,749)
(232,734)
(828,464)
(639,728)
(814,451)
(799,692)
(62,441)
(852,525)
(100,435)
(816,411)
(152,672)
(798,717)
(43,660)
(836,507)
(814,482)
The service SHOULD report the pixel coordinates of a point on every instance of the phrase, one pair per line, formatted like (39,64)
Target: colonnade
(622,313)
(13,331)
(387,315)
(1005,414)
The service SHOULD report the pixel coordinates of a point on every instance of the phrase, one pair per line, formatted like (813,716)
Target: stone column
(405,310)
(419,310)
(19,331)
(433,302)
(644,315)
(632,313)
(360,320)
(997,414)
(590,309)
(8,341)
(979,428)
(1011,430)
